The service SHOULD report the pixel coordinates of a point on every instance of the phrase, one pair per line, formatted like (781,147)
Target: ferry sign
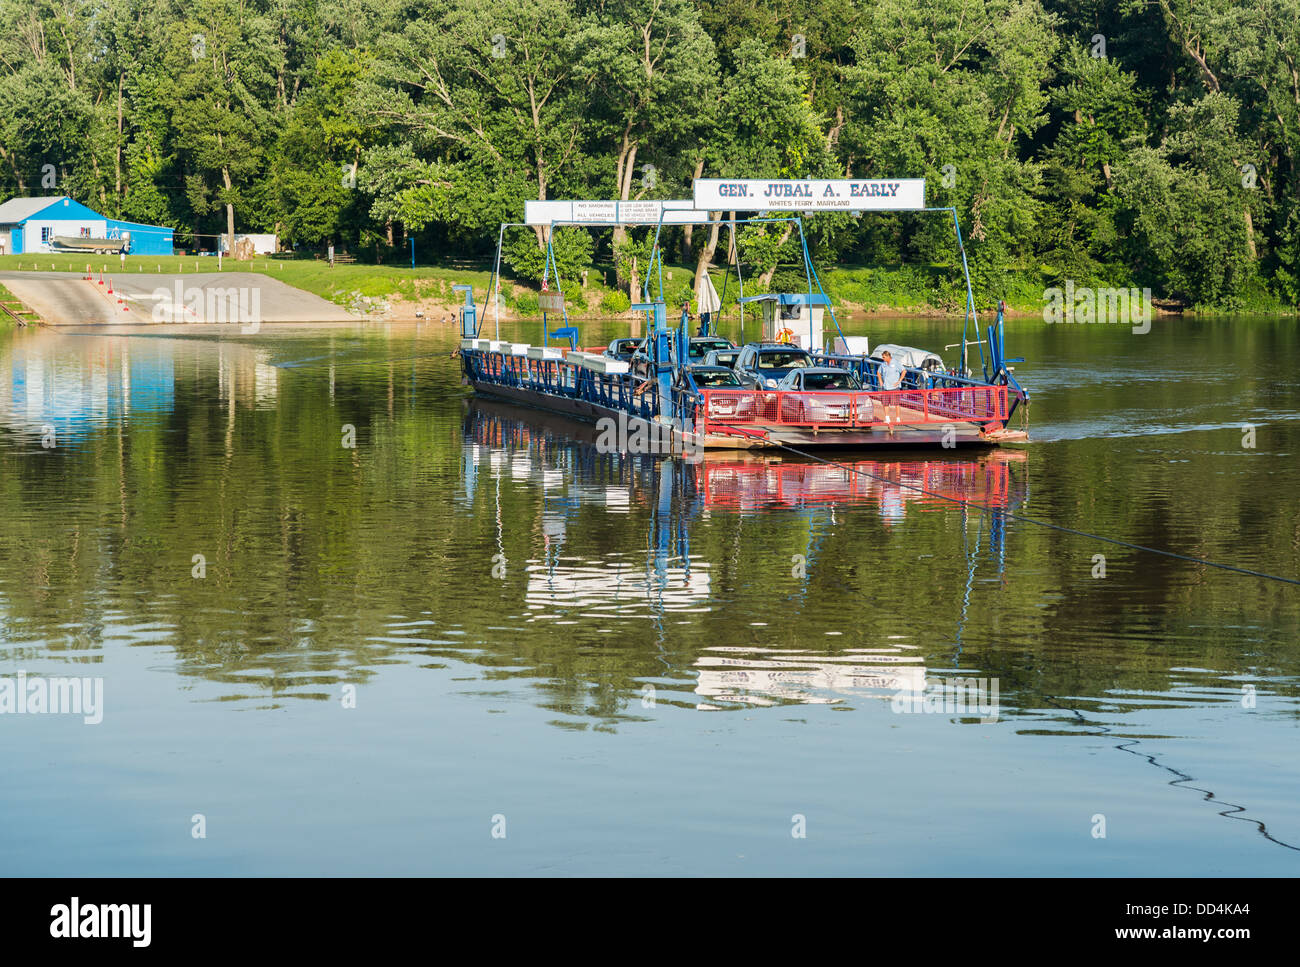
(550,301)
(593,212)
(810,195)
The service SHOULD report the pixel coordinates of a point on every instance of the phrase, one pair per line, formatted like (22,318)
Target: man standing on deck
(891,378)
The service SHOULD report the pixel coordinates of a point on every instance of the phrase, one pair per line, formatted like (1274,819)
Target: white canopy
(706,296)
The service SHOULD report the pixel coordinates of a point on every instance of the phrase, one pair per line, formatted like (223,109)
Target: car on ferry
(729,397)
(820,378)
(697,348)
(910,357)
(623,349)
(810,396)
(919,365)
(722,357)
(714,377)
(764,364)
(700,346)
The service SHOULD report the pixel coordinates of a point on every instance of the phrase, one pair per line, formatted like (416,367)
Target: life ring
(786,336)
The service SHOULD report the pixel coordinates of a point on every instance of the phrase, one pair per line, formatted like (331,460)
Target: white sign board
(550,301)
(646,212)
(595,211)
(810,195)
(545,212)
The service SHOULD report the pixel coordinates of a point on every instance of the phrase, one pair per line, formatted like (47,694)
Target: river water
(348,620)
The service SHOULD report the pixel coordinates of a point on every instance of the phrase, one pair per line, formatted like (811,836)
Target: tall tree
(226,63)
(490,83)
(655,75)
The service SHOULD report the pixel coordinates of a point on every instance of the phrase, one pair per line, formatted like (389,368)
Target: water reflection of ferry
(561,460)
(771,676)
(890,484)
(502,443)
(614,588)
(562,454)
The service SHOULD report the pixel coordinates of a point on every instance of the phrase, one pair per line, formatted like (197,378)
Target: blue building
(31,224)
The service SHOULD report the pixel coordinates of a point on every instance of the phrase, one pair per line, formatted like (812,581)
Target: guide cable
(1030,520)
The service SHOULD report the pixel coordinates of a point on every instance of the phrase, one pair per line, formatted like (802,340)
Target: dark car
(721,357)
(624,348)
(734,402)
(764,364)
(701,346)
(714,377)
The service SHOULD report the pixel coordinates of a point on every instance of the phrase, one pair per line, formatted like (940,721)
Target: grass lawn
(896,288)
(336,284)
(343,282)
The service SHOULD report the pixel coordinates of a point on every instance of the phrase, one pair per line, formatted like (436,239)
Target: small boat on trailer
(659,403)
(98,246)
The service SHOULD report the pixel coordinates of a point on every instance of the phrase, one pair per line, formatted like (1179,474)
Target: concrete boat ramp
(70,299)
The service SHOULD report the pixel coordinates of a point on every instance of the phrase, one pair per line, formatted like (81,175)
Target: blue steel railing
(868,371)
(556,377)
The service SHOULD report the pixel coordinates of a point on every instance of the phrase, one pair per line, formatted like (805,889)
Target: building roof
(17,210)
(789,298)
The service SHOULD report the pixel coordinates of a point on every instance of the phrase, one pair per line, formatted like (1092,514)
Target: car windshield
(698,349)
(829,381)
(721,378)
(783,359)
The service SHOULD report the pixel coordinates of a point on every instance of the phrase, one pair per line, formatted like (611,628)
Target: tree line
(1129,142)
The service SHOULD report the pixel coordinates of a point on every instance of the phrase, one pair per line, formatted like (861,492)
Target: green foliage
(763,247)
(571,249)
(790,280)
(312,201)
(615,302)
(1173,160)
(526,304)
(1185,208)
(632,256)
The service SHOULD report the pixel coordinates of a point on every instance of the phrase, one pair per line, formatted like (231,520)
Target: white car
(910,357)
(818,394)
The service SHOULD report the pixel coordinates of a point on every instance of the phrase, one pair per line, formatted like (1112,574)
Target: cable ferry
(789,388)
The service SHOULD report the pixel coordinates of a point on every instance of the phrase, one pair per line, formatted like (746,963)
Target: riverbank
(13,311)
(400,292)
(70,299)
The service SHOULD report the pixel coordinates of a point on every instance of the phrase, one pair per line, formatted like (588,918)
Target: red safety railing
(829,409)
(933,483)
(748,412)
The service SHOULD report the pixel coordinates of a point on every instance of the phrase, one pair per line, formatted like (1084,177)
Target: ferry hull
(760,436)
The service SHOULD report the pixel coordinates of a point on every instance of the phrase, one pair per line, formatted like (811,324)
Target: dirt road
(67,299)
